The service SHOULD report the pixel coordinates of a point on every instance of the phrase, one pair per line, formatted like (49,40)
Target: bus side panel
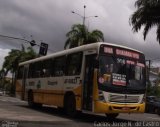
(73,84)
(49,97)
(19,89)
(47,90)
(78,94)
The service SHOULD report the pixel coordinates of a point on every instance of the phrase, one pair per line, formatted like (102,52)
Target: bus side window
(38,69)
(59,66)
(31,70)
(20,72)
(74,63)
(35,70)
(46,68)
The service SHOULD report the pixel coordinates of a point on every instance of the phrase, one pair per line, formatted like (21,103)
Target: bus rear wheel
(31,102)
(112,116)
(70,106)
(30,99)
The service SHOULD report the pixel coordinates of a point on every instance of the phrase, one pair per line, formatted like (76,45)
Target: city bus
(94,78)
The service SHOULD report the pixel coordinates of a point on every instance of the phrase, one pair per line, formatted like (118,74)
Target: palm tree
(79,35)
(147,15)
(10,60)
(94,36)
(14,58)
(2,74)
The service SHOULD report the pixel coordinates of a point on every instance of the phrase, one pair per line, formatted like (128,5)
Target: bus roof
(76,49)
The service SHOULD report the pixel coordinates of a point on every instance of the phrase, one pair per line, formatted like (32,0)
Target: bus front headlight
(101,96)
(143,99)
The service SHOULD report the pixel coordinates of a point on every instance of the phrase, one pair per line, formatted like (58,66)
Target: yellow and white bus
(94,78)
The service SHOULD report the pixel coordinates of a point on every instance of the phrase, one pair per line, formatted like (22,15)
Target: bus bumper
(101,107)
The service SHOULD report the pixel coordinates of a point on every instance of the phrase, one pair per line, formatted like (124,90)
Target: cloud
(50,20)
(3,53)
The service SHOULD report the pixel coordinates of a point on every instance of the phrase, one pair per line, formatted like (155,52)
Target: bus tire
(70,105)
(60,109)
(112,116)
(30,99)
(31,102)
(157,110)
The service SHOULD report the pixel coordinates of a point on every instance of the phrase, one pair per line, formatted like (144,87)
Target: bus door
(88,82)
(25,71)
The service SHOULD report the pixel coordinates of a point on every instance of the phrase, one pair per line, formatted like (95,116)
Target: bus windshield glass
(117,71)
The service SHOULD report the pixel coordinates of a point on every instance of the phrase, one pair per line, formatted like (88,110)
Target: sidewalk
(16,110)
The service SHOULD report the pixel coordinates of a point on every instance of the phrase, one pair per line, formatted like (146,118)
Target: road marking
(14,100)
(153,118)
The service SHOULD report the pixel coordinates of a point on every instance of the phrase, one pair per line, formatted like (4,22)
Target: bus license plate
(125,108)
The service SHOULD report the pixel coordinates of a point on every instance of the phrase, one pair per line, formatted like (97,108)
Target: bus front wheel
(157,110)
(111,116)
(70,105)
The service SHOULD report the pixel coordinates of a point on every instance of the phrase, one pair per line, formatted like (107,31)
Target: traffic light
(32,43)
(43,49)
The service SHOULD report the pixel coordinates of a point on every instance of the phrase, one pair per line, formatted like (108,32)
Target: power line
(16,38)
(32,42)
(156,59)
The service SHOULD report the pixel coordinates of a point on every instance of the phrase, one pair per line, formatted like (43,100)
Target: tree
(2,74)
(14,58)
(79,35)
(147,15)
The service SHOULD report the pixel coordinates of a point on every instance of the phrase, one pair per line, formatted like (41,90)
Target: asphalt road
(16,113)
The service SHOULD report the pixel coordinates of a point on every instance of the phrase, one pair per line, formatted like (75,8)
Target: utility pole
(148,63)
(84,17)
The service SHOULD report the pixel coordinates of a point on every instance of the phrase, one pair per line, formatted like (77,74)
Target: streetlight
(84,15)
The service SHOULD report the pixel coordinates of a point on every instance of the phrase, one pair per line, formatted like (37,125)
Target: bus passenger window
(20,72)
(46,68)
(31,71)
(74,62)
(38,69)
(59,66)
(35,70)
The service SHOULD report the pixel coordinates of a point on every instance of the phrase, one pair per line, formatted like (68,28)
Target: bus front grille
(123,98)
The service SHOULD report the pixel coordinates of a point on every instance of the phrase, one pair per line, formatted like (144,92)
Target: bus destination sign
(127,53)
(120,52)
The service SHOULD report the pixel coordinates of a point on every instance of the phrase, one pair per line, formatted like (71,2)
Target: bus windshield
(117,72)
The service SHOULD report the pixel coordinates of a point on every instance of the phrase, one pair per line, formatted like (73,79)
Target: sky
(50,20)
